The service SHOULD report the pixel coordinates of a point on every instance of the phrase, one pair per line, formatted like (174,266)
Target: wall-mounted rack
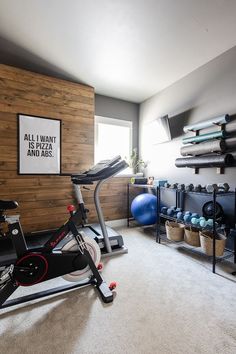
(206,150)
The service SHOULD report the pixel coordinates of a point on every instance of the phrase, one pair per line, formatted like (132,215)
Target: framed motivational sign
(39,145)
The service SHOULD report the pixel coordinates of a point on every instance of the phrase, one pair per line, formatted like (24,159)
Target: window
(112,137)
(158,131)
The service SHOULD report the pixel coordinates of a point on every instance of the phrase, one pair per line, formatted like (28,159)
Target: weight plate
(207,210)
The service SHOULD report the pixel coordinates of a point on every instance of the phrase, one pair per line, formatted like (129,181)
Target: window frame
(112,121)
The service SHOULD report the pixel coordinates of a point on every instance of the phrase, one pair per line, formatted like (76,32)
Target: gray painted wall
(205,93)
(115,108)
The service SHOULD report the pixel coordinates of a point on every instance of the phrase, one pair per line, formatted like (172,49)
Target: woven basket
(191,236)
(206,241)
(174,231)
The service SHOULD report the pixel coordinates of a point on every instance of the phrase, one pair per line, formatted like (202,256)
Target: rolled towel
(230,143)
(231,126)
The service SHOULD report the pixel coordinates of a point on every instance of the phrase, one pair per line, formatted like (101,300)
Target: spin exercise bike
(109,241)
(67,253)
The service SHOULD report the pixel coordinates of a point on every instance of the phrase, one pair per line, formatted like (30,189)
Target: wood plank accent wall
(43,199)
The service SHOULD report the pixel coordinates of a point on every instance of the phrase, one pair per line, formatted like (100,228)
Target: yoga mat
(204,137)
(207,123)
(204,148)
(205,161)
(138,180)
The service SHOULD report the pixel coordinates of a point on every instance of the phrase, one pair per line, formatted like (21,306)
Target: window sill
(129,175)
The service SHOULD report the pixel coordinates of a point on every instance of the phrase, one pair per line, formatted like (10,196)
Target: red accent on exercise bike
(71,208)
(41,277)
(100,266)
(113,285)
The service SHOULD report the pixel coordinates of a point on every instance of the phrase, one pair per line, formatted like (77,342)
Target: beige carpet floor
(167,302)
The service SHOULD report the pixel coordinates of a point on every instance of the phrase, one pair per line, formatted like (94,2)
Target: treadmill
(109,241)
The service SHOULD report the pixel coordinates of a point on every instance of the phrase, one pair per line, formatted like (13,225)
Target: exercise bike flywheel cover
(207,210)
(95,253)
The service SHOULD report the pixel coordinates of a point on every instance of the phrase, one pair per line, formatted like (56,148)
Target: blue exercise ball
(144,208)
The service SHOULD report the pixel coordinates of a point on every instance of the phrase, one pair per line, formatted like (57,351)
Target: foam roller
(231,127)
(230,144)
(234,156)
(208,123)
(204,148)
(204,137)
(205,161)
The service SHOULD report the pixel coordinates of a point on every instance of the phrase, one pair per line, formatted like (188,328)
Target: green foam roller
(204,137)
(138,180)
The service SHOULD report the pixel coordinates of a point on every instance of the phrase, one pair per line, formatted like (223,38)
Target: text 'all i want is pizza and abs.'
(40,145)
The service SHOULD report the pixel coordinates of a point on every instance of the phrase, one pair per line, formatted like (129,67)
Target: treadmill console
(102,170)
(102,166)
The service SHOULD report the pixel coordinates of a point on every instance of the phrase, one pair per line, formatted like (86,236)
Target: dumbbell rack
(180,203)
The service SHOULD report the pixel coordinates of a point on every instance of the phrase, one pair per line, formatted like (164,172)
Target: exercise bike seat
(8,204)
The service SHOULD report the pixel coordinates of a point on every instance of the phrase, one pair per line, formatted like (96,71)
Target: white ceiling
(128,49)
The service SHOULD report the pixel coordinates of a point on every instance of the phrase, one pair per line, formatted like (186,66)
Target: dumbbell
(204,223)
(171,211)
(210,222)
(164,210)
(197,188)
(223,187)
(181,187)
(195,221)
(189,187)
(166,185)
(173,186)
(178,209)
(210,188)
(187,216)
(180,215)
(195,218)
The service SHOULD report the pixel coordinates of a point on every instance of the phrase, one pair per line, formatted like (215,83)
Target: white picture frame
(39,145)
